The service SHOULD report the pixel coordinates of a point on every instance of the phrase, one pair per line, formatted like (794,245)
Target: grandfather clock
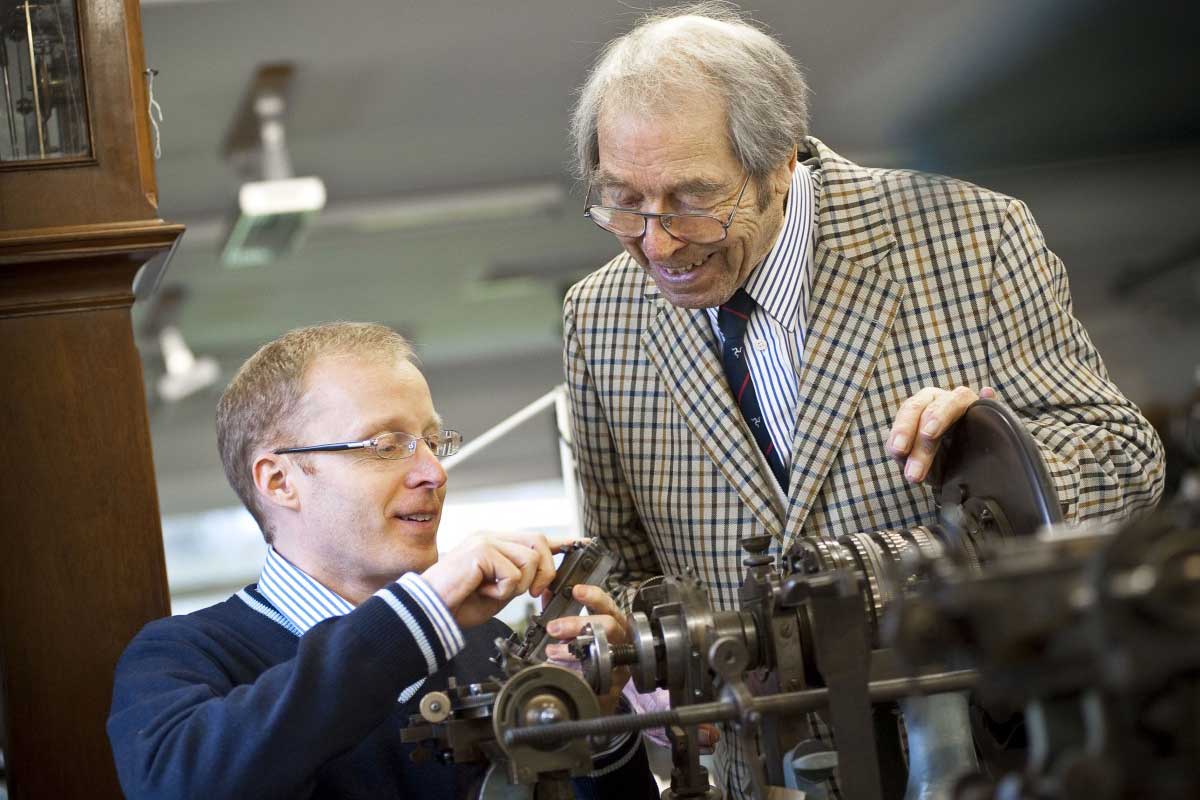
(81,558)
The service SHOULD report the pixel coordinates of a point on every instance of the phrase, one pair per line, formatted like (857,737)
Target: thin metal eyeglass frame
(369,444)
(665,219)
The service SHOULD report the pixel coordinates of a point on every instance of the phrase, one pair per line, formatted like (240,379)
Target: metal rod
(879,691)
(33,82)
(602,726)
(501,428)
(786,703)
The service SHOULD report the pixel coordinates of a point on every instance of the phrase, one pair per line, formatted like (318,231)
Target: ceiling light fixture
(274,212)
(185,373)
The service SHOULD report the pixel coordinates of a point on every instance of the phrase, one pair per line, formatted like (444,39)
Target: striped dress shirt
(781,286)
(304,603)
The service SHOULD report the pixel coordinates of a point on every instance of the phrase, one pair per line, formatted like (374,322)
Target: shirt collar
(775,283)
(297,595)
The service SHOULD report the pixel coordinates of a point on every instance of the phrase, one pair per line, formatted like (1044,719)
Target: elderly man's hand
(922,421)
(481,575)
(602,612)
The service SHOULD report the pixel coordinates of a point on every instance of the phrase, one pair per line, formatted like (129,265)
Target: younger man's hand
(479,577)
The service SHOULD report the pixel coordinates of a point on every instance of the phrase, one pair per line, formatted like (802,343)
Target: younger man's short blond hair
(259,408)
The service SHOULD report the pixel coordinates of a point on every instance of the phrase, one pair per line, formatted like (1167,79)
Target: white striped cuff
(439,616)
(410,622)
(408,693)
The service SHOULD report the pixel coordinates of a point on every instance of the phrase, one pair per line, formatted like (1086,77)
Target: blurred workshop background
(438,133)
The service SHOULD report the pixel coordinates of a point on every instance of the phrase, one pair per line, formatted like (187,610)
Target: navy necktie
(732,319)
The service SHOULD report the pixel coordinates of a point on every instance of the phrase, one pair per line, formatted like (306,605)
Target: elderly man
(289,688)
(784,324)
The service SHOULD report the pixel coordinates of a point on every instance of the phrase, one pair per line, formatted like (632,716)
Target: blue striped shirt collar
(775,283)
(304,603)
(297,595)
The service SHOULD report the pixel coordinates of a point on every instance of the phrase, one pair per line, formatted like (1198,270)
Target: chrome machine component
(584,564)
(812,619)
(455,724)
(544,695)
(941,749)
(467,724)
(683,629)
(597,670)
(460,723)
(1096,635)
(1094,631)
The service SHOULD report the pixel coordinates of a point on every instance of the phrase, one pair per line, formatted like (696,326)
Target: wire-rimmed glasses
(695,228)
(391,446)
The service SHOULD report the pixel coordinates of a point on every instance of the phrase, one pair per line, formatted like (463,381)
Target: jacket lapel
(850,319)
(679,344)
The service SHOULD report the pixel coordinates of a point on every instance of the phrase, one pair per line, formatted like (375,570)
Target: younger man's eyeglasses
(391,446)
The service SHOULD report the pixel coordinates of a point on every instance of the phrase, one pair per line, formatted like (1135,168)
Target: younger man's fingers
(559,543)
(540,545)
(525,560)
(544,576)
(502,579)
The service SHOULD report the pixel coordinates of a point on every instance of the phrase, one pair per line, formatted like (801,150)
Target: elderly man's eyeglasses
(391,446)
(694,228)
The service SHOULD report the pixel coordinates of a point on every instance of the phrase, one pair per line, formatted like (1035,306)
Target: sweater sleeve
(182,725)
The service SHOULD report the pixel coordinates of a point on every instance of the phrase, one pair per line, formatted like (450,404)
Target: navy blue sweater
(228,703)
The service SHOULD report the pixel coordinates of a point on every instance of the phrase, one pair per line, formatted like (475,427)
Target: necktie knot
(734,315)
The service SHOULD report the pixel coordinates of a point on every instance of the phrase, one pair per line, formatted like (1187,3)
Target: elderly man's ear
(782,179)
(273,478)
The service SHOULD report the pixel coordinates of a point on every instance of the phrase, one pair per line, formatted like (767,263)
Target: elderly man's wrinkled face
(681,162)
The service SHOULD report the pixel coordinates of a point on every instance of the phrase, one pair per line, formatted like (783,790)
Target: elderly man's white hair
(680,55)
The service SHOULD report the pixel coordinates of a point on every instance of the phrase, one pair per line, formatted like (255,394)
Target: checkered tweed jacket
(919,281)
